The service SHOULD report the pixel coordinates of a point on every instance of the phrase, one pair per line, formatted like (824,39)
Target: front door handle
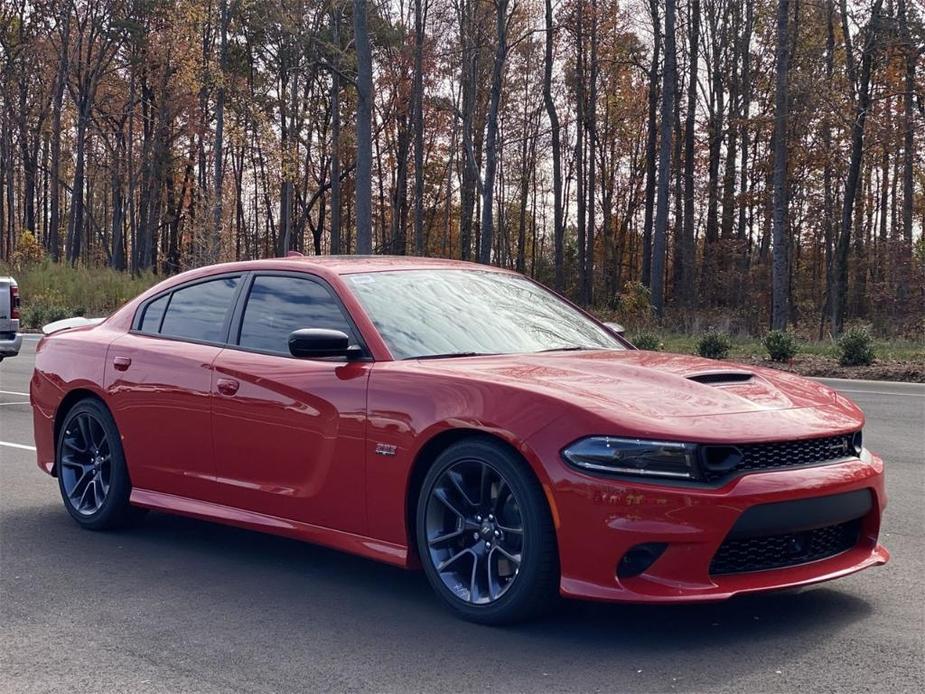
(121,363)
(227,386)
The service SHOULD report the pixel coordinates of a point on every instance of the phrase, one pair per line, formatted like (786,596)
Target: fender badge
(386,449)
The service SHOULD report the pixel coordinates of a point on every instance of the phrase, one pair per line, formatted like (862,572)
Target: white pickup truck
(10,339)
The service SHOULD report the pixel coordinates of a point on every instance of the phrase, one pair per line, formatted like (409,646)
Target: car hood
(646,384)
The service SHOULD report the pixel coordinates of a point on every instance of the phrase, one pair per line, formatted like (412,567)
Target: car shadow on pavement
(223,580)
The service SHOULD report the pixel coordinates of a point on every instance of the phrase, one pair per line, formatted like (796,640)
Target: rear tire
(92,475)
(485,534)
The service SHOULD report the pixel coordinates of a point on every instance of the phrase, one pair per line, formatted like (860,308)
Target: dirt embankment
(827,367)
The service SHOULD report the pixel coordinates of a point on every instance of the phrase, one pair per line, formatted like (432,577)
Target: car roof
(351,264)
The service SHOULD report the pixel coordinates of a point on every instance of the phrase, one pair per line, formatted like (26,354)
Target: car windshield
(435,313)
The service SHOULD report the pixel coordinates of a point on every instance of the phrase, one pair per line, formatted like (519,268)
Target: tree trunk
(336,245)
(685,291)
(660,237)
(588,289)
(214,245)
(417,90)
(364,111)
(862,106)
(554,127)
(780,275)
(491,136)
(651,141)
(908,125)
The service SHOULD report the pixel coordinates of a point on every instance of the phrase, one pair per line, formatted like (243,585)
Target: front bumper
(599,520)
(10,344)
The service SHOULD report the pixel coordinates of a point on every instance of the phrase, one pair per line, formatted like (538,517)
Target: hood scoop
(721,378)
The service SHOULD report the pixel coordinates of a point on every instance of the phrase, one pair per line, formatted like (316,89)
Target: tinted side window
(278,305)
(198,312)
(151,322)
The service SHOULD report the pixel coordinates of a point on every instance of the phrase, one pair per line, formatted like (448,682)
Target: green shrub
(855,347)
(635,304)
(647,341)
(92,291)
(33,316)
(714,345)
(781,345)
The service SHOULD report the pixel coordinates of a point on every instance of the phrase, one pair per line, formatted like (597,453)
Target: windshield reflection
(433,313)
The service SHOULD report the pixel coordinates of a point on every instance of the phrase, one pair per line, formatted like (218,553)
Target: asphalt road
(180,605)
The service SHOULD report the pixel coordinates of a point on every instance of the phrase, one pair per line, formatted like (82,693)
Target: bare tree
(862,106)
(684,291)
(660,237)
(651,142)
(780,274)
(364,165)
(503,14)
(96,42)
(554,127)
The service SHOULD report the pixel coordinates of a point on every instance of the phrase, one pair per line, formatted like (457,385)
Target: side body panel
(290,442)
(64,362)
(162,405)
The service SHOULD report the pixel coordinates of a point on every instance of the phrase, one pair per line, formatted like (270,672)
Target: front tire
(485,534)
(92,475)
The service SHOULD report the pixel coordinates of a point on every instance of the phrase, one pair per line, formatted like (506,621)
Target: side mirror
(616,329)
(316,343)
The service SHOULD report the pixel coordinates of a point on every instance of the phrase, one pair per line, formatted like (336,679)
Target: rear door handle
(121,363)
(227,386)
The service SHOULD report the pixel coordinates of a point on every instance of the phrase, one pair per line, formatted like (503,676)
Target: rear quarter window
(154,312)
(199,312)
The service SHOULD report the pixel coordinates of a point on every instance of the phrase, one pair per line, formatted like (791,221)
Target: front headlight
(633,456)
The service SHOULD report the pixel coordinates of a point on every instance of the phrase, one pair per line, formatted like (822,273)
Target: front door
(289,434)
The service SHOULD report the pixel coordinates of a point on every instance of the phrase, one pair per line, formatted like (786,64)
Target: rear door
(290,433)
(159,377)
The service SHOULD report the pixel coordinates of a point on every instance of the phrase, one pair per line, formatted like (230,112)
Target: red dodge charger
(458,418)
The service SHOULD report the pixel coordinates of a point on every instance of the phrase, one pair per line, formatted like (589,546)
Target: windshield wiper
(449,355)
(576,348)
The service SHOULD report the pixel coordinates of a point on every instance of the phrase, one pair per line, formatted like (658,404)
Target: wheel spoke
(510,531)
(441,496)
(70,442)
(513,557)
(474,580)
(454,559)
(96,441)
(491,583)
(83,496)
(71,463)
(83,424)
(457,482)
(496,502)
(485,487)
(440,539)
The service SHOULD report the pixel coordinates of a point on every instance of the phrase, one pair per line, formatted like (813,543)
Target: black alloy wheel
(485,534)
(90,464)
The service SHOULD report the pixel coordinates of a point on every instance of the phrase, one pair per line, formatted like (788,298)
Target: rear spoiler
(68,323)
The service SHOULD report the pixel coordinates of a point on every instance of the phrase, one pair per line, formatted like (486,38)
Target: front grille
(790,549)
(769,456)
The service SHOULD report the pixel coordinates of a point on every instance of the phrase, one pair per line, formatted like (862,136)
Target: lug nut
(478,519)
(497,533)
(475,536)
(487,545)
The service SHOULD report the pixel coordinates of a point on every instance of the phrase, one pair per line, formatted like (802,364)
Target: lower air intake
(779,551)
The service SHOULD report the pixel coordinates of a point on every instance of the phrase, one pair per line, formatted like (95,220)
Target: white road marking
(13,392)
(10,444)
(22,402)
